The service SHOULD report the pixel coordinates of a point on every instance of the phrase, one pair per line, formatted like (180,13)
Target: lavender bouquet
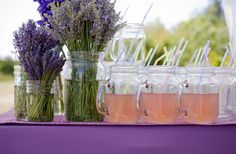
(42,63)
(45,10)
(85,27)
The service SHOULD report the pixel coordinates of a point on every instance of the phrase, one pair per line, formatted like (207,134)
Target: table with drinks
(176,110)
(119,101)
(125,109)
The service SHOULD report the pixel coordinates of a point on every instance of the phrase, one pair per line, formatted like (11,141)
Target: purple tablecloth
(78,138)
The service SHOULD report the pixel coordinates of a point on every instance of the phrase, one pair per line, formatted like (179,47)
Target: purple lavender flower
(52,64)
(45,9)
(85,25)
(30,38)
(35,48)
(108,19)
(44,67)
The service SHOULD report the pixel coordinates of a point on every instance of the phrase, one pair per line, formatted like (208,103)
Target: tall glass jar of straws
(19,92)
(129,44)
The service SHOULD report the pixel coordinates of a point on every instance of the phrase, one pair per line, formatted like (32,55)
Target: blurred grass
(5,78)
(6,85)
(4,108)
(6,95)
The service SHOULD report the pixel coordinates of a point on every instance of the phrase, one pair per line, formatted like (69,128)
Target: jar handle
(138,94)
(112,55)
(121,49)
(99,102)
(179,95)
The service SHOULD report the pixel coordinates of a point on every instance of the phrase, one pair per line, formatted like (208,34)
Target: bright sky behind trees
(170,12)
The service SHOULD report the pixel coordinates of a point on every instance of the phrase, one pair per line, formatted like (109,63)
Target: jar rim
(161,69)
(85,52)
(98,53)
(18,68)
(124,69)
(38,82)
(200,70)
(133,25)
(223,70)
(180,70)
(85,55)
(37,85)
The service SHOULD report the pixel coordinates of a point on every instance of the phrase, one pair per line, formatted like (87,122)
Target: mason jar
(81,85)
(116,99)
(232,105)
(104,72)
(130,37)
(200,96)
(19,92)
(58,100)
(159,96)
(181,73)
(40,101)
(225,82)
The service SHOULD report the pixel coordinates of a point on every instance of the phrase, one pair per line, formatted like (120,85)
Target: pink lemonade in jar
(200,108)
(159,108)
(122,108)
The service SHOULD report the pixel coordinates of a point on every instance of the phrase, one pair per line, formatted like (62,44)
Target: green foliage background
(207,25)
(6,68)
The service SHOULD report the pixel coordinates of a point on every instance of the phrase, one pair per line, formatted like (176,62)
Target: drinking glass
(232,105)
(225,81)
(158,96)
(116,97)
(200,96)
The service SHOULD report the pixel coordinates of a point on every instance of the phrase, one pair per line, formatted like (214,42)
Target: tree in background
(6,69)
(157,33)
(208,25)
(6,66)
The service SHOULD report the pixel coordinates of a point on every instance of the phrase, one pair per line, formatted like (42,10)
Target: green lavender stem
(81,97)
(60,94)
(20,102)
(40,106)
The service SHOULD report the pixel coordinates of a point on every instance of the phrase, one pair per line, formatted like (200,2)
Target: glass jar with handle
(200,96)
(116,97)
(158,96)
(225,81)
(130,37)
(232,104)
